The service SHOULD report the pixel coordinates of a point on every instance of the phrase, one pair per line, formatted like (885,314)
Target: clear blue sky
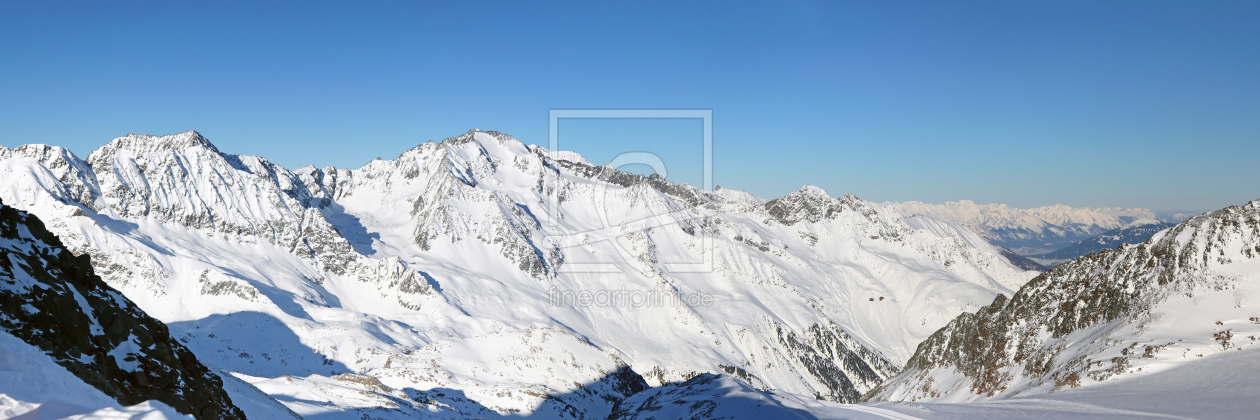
(1123,103)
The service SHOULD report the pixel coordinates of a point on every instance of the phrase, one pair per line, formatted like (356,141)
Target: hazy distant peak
(1141,222)
(1004,216)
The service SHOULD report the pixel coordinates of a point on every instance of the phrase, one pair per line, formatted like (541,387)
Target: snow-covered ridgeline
(473,238)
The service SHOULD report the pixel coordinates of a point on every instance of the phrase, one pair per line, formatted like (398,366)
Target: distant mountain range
(1038,230)
(1132,233)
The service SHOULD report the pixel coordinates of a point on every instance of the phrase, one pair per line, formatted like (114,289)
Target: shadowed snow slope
(467,265)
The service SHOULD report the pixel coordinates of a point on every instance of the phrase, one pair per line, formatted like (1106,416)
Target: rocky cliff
(51,299)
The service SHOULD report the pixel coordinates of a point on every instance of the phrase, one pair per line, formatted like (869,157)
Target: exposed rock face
(838,360)
(1021,261)
(51,299)
(1185,292)
(184,180)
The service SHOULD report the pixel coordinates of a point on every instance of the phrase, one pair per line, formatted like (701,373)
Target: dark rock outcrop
(51,299)
(1021,261)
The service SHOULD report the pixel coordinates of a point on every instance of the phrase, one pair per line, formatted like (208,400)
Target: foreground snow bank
(1218,386)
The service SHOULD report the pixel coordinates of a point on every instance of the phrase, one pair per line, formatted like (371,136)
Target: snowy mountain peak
(472,134)
(1141,222)
(40,152)
(147,143)
(813,204)
(812,191)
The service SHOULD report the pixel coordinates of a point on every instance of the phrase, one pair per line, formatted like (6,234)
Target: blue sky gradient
(1121,103)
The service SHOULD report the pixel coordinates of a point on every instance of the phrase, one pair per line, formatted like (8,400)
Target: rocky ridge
(50,298)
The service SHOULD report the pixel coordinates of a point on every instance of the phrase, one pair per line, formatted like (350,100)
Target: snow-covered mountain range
(483,275)
(1036,230)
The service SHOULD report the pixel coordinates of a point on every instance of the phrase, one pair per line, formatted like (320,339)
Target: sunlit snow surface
(436,270)
(1219,386)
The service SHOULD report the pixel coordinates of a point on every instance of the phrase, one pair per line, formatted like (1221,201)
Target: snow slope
(1218,386)
(459,267)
